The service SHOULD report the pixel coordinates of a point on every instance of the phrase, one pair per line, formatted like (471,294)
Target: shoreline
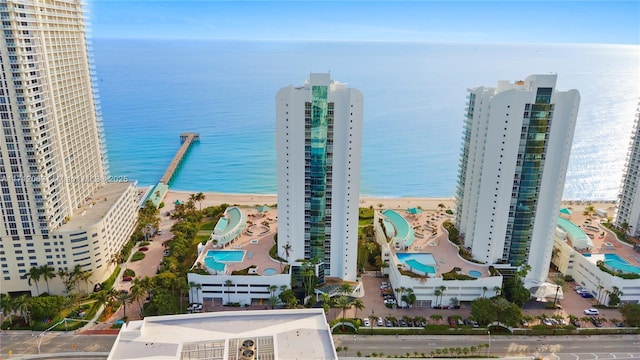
(426,203)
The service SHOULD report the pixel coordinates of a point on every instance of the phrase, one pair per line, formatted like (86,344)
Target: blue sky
(601,22)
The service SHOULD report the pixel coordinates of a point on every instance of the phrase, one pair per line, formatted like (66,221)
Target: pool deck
(256,254)
(602,245)
(445,253)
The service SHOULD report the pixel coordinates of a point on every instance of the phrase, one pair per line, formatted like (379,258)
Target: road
(558,347)
(19,343)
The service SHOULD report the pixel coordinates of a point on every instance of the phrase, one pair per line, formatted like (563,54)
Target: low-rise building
(228,335)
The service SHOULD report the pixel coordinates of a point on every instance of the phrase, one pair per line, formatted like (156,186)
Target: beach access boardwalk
(187,139)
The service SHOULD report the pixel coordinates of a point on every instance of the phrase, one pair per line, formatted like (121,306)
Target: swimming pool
(269,271)
(619,263)
(212,264)
(419,261)
(475,273)
(226,255)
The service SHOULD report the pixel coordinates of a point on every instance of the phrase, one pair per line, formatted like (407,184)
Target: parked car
(402,323)
(143,248)
(548,321)
(127,278)
(586,295)
(383,286)
(365,322)
(591,311)
(524,322)
(159,232)
(194,307)
(165,253)
(380,322)
(596,322)
(388,323)
(576,323)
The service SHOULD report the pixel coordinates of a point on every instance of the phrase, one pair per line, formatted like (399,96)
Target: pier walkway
(187,139)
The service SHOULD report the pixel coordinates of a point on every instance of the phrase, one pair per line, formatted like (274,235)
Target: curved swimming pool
(475,273)
(418,261)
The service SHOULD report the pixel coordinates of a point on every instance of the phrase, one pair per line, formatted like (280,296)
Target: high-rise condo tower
(59,208)
(516,145)
(319,131)
(628,207)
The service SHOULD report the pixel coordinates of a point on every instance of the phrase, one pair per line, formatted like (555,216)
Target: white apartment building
(516,144)
(59,207)
(319,136)
(628,207)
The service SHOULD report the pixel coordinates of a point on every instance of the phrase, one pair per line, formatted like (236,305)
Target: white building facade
(628,207)
(516,146)
(319,136)
(59,207)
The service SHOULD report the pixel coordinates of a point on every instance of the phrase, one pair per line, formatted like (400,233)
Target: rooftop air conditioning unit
(248,344)
(248,355)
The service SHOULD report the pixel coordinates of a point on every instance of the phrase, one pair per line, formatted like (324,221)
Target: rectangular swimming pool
(226,255)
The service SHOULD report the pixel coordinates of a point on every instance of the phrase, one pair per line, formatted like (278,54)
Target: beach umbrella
(177,202)
(414,210)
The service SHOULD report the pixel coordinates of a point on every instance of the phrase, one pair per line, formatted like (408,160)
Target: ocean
(415,93)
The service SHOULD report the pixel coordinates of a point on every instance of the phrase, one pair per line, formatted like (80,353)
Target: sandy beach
(214,199)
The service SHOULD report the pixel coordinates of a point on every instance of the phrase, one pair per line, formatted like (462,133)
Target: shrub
(108,284)
(137,256)
(129,272)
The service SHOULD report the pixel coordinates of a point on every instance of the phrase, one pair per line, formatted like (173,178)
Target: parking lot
(572,304)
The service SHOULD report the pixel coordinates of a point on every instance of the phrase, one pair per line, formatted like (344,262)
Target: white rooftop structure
(228,335)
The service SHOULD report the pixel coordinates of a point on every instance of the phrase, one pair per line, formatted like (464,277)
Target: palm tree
(76,274)
(47,272)
(326,302)
(442,289)
(272,289)
(66,280)
(372,319)
(484,290)
(400,291)
(287,248)
(33,274)
(199,198)
(599,287)
(437,292)
(441,206)
(21,305)
(137,293)
(85,276)
(228,284)
(497,290)
(123,298)
(273,301)
(358,304)
(6,305)
(343,302)
(345,289)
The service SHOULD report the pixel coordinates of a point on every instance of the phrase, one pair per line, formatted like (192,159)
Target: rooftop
(270,334)
(96,206)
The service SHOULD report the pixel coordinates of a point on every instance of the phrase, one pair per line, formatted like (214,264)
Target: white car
(366,322)
(591,311)
(380,322)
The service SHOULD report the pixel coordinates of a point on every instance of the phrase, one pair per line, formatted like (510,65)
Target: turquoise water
(212,264)
(152,90)
(419,261)
(269,271)
(403,231)
(617,262)
(225,255)
(420,266)
(475,273)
